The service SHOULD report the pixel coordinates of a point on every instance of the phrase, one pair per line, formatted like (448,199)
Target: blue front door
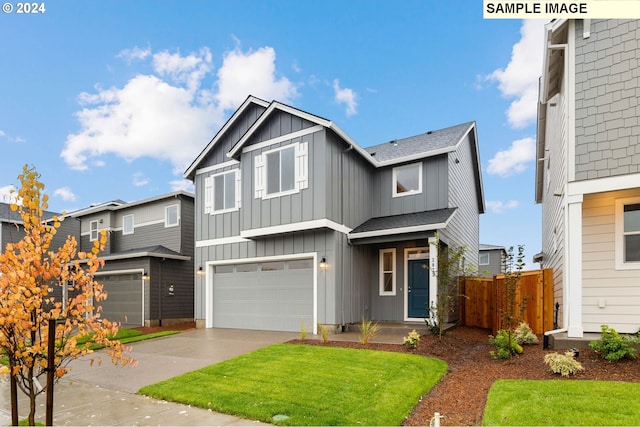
(418,289)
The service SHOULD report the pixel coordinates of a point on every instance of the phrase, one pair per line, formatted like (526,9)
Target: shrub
(303,331)
(324,333)
(368,330)
(524,334)
(563,364)
(612,346)
(412,340)
(506,345)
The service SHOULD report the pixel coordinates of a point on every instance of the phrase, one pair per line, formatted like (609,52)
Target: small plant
(303,331)
(433,325)
(613,347)
(524,334)
(368,330)
(324,333)
(563,364)
(506,345)
(412,341)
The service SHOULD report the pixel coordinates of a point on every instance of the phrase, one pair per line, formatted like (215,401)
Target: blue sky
(113,99)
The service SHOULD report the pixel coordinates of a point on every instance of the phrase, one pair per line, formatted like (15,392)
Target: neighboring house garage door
(274,296)
(124,298)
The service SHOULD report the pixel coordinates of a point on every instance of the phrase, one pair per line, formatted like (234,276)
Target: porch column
(573,266)
(433,272)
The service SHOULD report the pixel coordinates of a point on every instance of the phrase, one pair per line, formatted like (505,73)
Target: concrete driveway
(104,395)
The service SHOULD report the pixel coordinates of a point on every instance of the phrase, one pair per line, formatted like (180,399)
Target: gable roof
(7,215)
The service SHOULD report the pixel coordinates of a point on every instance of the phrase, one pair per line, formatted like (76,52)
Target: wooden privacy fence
(483,301)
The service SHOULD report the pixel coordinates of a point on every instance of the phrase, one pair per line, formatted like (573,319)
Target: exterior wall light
(145,276)
(200,271)
(323,263)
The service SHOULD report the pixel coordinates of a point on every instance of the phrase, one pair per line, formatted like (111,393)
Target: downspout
(342,207)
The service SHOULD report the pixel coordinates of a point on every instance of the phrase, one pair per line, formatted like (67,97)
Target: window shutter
(238,189)
(208,195)
(259,173)
(302,166)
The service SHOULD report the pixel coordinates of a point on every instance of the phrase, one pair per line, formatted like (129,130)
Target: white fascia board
(600,185)
(296,226)
(217,167)
(395,231)
(250,100)
(220,241)
(145,254)
(282,138)
(128,271)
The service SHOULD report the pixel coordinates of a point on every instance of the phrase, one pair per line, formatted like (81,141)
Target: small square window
(127,224)
(171,216)
(407,180)
(484,259)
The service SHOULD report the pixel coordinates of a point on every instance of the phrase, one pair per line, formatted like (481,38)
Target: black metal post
(14,395)
(50,371)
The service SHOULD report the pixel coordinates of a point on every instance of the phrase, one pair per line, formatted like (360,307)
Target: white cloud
(2,134)
(135,53)
(347,97)
(65,194)
(182,185)
(515,159)
(499,207)
(168,115)
(5,194)
(139,180)
(251,73)
(519,79)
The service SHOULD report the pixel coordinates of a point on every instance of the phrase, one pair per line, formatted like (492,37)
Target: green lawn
(562,403)
(290,384)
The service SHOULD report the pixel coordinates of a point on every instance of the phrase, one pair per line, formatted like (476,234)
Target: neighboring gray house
(490,260)
(588,172)
(148,271)
(297,224)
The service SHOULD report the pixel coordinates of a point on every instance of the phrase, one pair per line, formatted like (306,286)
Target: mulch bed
(462,394)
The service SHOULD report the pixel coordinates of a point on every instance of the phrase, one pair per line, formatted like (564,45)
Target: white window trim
(394,180)
(393,272)
(488,259)
(210,201)
(619,237)
(301,171)
(93,237)
(124,228)
(166,216)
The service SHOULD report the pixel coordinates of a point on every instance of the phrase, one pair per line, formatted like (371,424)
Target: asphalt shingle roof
(431,141)
(7,215)
(437,216)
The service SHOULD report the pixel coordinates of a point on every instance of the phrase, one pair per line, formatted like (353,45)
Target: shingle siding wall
(607,110)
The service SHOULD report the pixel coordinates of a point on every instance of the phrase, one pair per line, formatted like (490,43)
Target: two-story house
(148,272)
(588,172)
(490,260)
(297,225)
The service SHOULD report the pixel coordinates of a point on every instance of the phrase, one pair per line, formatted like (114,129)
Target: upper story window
(407,180)
(387,272)
(127,224)
(93,230)
(281,171)
(171,216)
(628,233)
(484,259)
(222,192)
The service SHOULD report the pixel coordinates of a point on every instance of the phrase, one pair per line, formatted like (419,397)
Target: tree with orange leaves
(29,303)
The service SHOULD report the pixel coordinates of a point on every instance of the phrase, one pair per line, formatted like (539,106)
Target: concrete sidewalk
(105,394)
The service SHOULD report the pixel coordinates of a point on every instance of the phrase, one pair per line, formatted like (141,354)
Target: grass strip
(287,384)
(562,403)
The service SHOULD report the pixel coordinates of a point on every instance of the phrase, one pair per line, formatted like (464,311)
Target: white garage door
(124,300)
(274,296)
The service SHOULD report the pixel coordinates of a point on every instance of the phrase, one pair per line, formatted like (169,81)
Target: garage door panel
(277,299)
(124,298)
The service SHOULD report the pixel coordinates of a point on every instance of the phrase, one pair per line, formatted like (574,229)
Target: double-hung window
(281,171)
(93,230)
(127,224)
(387,272)
(484,259)
(407,180)
(628,233)
(222,192)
